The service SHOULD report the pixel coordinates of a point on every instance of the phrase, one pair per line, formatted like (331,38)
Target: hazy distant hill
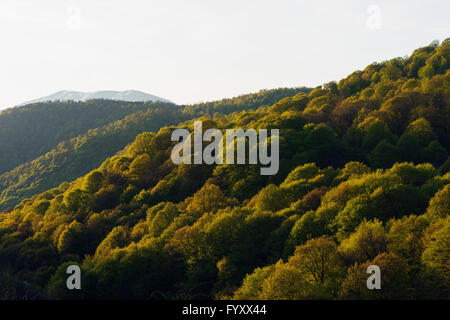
(128,95)
(30,131)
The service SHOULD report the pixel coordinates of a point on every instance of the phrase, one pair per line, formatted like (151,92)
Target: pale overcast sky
(200,50)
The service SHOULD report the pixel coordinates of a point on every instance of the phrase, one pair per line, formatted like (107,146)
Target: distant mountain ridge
(127,95)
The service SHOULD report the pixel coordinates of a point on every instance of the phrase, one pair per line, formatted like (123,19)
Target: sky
(202,50)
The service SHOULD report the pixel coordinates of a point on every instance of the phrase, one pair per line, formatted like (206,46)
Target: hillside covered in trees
(36,128)
(30,131)
(364,179)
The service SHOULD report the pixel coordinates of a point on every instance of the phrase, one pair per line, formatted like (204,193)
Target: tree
(311,201)
(76,199)
(140,165)
(405,237)
(434,153)
(384,155)
(285,283)
(106,198)
(208,199)
(93,181)
(354,168)
(73,239)
(310,225)
(117,238)
(376,132)
(440,204)
(142,144)
(394,279)
(317,259)
(417,135)
(253,283)
(271,198)
(344,113)
(413,175)
(383,203)
(436,255)
(306,171)
(160,217)
(365,243)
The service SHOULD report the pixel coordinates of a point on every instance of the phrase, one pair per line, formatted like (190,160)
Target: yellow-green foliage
(363,180)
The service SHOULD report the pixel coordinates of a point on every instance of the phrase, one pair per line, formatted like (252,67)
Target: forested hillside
(75,156)
(263,98)
(31,131)
(364,179)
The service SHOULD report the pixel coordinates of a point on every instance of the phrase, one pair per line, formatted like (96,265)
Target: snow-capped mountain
(128,95)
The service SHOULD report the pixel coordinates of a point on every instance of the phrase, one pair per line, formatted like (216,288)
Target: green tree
(93,181)
(73,239)
(270,198)
(285,283)
(440,204)
(208,199)
(253,283)
(394,279)
(405,237)
(365,243)
(436,255)
(317,259)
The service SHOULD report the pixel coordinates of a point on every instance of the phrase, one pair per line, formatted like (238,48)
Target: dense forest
(364,179)
(30,131)
(74,157)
